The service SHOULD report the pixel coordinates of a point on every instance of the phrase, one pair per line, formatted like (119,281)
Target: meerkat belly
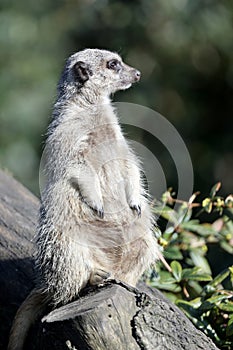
(112,181)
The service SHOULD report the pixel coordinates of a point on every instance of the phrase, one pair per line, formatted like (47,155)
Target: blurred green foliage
(186,275)
(184,49)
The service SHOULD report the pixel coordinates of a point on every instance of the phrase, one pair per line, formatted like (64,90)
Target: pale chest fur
(93,140)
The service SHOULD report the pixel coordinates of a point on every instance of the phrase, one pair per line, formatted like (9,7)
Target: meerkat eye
(114,64)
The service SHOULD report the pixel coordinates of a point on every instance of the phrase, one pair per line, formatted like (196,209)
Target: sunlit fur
(94,214)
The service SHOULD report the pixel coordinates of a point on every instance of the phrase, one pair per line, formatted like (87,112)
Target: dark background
(183,48)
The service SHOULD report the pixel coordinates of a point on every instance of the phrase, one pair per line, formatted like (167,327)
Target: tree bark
(112,316)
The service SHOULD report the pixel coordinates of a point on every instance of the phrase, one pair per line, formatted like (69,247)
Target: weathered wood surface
(117,318)
(110,317)
(18,216)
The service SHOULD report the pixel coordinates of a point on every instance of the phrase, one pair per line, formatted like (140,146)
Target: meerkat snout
(120,67)
(126,75)
(137,75)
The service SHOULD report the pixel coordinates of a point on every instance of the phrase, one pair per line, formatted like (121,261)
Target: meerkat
(95,219)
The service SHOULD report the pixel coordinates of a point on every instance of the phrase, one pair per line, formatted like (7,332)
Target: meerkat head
(95,71)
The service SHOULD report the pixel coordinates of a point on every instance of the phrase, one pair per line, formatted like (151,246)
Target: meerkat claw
(99,212)
(136,208)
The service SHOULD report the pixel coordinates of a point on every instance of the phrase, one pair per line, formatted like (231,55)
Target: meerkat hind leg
(98,276)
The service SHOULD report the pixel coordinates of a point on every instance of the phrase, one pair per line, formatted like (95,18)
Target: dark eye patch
(114,64)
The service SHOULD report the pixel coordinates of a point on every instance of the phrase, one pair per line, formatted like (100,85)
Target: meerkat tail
(28,312)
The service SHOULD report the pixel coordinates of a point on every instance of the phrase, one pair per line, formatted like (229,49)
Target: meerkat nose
(137,75)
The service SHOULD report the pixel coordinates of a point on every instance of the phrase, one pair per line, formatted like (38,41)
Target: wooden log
(18,216)
(112,316)
(117,317)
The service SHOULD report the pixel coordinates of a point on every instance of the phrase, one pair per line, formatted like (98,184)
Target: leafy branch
(188,279)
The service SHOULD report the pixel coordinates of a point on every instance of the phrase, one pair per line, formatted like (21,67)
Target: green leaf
(165,275)
(215,189)
(171,296)
(187,216)
(166,282)
(207,205)
(171,287)
(204,230)
(195,286)
(176,270)
(169,230)
(229,201)
(206,306)
(184,213)
(228,212)
(231,274)
(201,277)
(192,222)
(173,253)
(226,246)
(195,275)
(218,279)
(228,225)
(167,213)
(200,261)
(213,301)
(187,273)
(228,306)
(229,330)
(216,298)
(188,308)
(195,302)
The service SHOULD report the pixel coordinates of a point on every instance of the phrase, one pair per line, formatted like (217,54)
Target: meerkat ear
(82,72)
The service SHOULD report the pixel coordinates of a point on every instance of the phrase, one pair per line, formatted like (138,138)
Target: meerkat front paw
(99,211)
(136,208)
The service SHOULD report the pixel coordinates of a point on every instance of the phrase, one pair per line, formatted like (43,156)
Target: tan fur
(95,220)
